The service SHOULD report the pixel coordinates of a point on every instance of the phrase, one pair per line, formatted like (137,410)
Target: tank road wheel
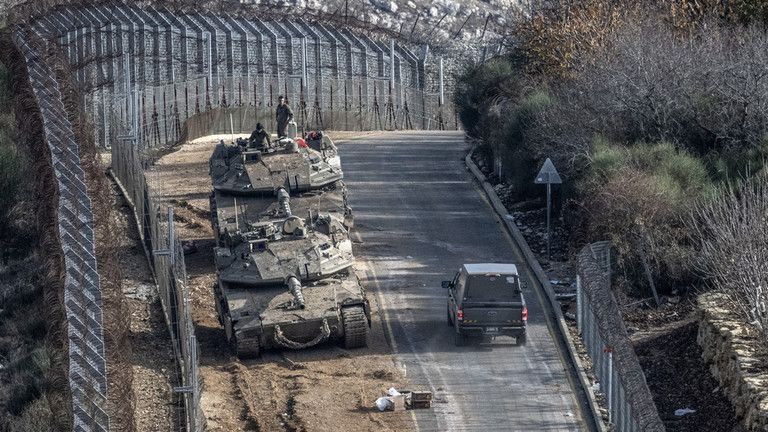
(247,349)
(355,327)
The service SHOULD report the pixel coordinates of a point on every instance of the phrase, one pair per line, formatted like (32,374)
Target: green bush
(638,197)
(479,86)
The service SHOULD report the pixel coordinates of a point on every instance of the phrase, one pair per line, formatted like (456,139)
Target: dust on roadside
(319,389)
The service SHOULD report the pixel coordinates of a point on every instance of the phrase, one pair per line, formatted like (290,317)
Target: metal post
(304,66)
(579,306)
(610,385)
(442,100)
(171,242)
(392,63)
(127,79)
(195,382)
(549,208)
(231,128)
(209,48)
(135,119)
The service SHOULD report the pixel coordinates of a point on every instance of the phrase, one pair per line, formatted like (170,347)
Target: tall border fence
(158,68)
(601,326)
(82,285)
(167,114)
(156,228)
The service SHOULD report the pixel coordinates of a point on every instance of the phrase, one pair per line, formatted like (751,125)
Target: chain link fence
(167,114)
(82,290)
(601,326)
(156,227)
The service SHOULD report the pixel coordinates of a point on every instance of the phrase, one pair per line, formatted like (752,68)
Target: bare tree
(731,235)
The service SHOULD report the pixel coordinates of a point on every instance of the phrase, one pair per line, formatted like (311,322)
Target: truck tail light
(460,315)
(525,313)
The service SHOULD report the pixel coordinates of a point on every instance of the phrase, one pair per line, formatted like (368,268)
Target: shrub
(479,87)
(637,197)
(729,232)
(36,417)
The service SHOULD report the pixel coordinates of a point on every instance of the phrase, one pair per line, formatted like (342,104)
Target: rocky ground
(664,336)
(324,388)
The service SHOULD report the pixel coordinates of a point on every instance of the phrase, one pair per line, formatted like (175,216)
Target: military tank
(237,169)
(283,262)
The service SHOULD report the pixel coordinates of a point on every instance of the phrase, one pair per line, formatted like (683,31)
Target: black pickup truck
(486,300)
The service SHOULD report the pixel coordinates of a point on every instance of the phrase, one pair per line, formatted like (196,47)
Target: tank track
(355,327)
(247,349)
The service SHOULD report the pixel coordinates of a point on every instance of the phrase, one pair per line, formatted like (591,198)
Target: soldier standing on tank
(259,138)
(284,115)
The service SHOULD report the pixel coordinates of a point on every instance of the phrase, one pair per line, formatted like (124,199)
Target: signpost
(548,175)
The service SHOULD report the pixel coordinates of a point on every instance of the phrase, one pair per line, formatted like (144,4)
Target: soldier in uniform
(284,115)
(259,138)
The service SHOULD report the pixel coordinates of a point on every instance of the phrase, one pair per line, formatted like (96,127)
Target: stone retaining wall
(733,351)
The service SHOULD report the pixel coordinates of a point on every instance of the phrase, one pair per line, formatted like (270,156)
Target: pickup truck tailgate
(493,315)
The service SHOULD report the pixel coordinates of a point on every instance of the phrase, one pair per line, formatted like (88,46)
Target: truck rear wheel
(355,327)
(460,339)
(520,340)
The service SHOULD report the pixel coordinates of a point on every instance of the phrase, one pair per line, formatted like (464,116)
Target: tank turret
(241,171)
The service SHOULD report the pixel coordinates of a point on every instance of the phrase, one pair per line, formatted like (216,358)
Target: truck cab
(486,300)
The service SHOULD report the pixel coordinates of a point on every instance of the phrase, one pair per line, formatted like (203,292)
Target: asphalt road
(420,215)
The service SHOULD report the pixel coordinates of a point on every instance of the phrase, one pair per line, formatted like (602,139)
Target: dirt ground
(319,389)
(664,338)
(153,362)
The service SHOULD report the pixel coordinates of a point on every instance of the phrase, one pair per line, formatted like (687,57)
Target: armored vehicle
(283,263)
(266,252)
(243,171)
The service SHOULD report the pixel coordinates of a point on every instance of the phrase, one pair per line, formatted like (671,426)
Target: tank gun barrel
(295,287)
(285,201)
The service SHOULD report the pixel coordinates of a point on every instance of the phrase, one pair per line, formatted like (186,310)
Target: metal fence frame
(164,115)
(156,229)
(132,58)
(600,324)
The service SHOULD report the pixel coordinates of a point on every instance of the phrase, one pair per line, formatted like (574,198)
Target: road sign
(548,175)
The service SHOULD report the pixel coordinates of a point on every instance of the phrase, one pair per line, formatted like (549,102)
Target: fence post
(610,384)
(579,305)
(171,242)
(195,383)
